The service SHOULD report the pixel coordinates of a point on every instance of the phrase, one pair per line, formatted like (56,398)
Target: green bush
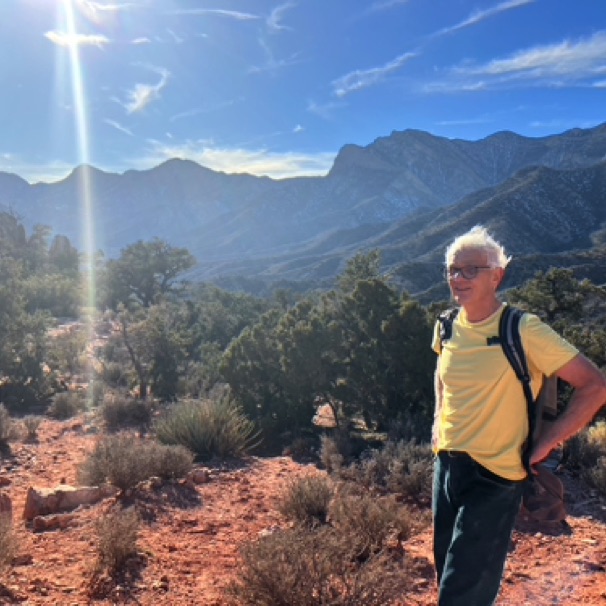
(209,428)
(596,476)
(315,568)
(125,460)
(117,535)
(306,500)
(122,412)
(66,405)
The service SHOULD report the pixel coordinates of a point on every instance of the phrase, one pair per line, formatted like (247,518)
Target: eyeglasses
(469,272)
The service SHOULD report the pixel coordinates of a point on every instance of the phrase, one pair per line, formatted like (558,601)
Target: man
(481,422)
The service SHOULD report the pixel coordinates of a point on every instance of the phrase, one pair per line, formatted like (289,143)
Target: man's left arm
(589,396)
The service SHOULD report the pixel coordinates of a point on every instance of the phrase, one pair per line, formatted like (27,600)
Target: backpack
(543,496)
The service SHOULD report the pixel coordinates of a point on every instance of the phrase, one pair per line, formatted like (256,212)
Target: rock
(199,476)
(47,501)
(52,522)
(4,481)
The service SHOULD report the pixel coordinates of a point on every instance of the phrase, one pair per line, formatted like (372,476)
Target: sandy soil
(190,537)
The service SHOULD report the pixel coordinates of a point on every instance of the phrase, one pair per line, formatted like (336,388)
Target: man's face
(470,278)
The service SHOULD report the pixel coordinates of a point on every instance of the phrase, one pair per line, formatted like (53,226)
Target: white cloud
(139,41)
(360,79)
(273,21)
(118,126)
(324,110)
(556,65)
(143,94)
(238,16)
(260,162)
(387,4)
(479,16)
(66,39)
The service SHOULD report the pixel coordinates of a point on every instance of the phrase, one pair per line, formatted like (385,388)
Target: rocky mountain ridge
(407,194)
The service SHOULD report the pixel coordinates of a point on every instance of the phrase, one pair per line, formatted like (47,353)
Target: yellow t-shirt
(483,409)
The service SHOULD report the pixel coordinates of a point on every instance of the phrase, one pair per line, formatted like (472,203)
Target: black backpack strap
(511,342)
(446,318)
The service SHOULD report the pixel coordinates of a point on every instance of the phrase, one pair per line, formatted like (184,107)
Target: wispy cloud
(360,79)
(562,64)
(190,113)
(67,39)
(259,162)
(479,16)
(324,110)
(139,41)
(386,5)
(119,127)
(141,95)
(237,15)
(274,20)
(271,63)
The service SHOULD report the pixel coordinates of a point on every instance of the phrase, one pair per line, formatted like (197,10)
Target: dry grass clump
(302,567)
(117,535)
(344,549)
(589,448)
(404,468)
(122,412)
(372,524)
(8,542)
(66,404)
(6,428)
(31,423)
(305,500)
(124,460)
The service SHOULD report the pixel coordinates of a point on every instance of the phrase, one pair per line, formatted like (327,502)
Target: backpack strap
(446,319)
(511,343)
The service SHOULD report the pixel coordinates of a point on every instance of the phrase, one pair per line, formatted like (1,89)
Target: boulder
(45,501)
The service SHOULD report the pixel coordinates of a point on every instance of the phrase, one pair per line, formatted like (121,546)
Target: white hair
(478,238)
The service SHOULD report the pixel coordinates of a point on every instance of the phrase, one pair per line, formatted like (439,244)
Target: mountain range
(407,194)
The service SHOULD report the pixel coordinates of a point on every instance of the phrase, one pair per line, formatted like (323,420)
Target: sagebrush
(124,460)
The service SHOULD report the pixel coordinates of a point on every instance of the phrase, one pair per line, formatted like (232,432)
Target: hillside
(190,536)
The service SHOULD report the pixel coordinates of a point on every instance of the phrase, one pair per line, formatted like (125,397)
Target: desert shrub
(125,460)
(6,426)
(209,428)
(315,568)
(114,375)
(65,405)
(117,535)
(369,522)
(8,541)
(585,449)
(306,500)
(31,424)
(121,412)
(596,476)
(331,456)
(399,467)
(95,393)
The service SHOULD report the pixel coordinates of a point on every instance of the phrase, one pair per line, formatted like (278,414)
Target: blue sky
(277,88)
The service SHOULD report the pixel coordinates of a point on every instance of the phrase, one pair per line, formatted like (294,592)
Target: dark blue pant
(473,514)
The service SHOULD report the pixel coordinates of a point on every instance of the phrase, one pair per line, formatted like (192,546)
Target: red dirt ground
(190,537)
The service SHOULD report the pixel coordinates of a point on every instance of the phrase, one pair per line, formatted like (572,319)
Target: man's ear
(499,274)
